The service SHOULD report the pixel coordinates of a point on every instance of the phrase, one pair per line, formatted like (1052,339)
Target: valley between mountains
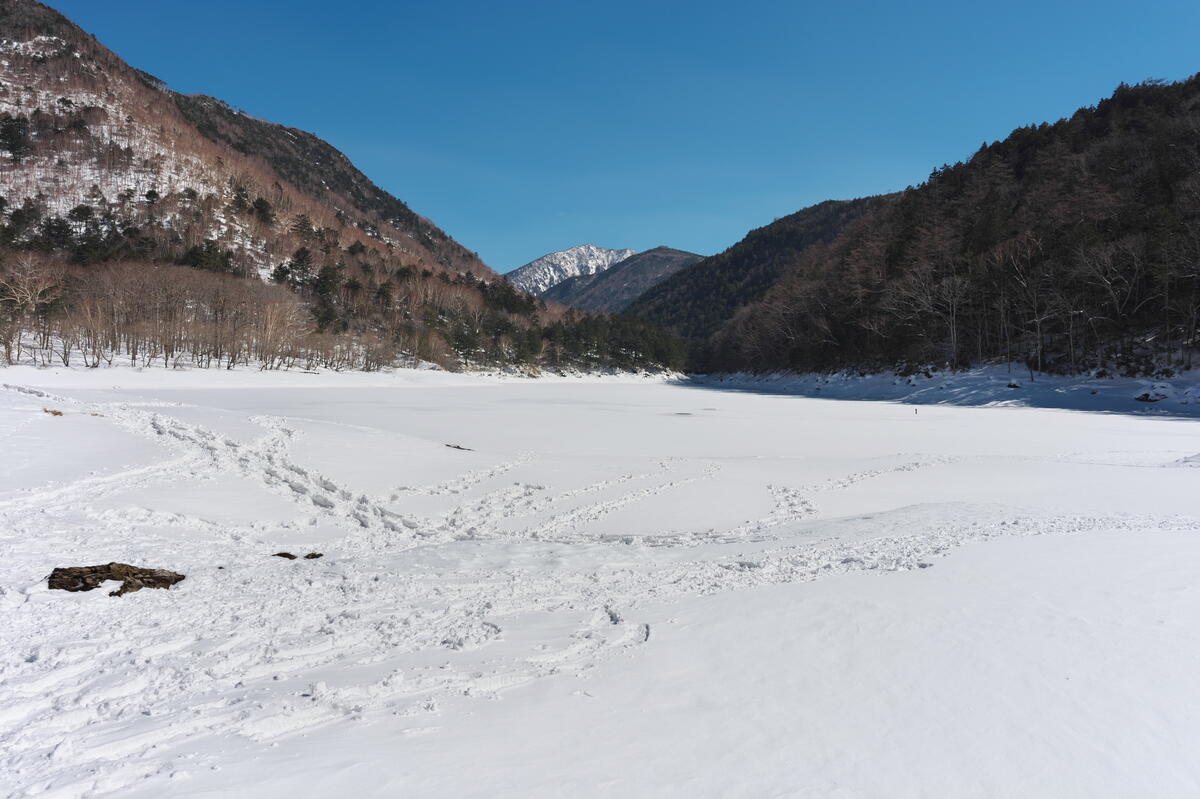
(870,497)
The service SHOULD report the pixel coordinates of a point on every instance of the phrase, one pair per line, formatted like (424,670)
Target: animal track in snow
(837,483)
(462,483)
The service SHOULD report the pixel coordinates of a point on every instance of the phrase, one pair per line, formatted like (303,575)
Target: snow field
(620,587)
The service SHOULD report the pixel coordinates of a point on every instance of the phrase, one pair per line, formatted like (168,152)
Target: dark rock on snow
(132,578)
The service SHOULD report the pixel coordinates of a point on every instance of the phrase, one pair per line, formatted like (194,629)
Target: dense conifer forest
(1067,246)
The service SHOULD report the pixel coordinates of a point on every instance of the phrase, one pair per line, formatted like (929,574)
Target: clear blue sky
(527,127)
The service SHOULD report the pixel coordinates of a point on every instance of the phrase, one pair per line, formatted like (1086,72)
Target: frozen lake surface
(599,588)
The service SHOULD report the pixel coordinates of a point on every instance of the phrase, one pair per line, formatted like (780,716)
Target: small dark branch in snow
(456,446)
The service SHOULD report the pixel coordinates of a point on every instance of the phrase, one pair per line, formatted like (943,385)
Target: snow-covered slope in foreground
(543,273)
(618,589)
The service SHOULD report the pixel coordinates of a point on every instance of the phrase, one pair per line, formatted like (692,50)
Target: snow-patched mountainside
(614,289)
(543,273)
(86,129)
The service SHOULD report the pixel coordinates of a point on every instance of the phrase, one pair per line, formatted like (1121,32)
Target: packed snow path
(596,566)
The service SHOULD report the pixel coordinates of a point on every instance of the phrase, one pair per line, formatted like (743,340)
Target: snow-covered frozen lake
(603,588)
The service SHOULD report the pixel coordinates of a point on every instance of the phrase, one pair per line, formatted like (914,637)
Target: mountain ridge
(613,289)
(541,274)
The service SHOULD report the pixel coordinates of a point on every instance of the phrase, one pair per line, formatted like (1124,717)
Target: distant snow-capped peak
(538,276)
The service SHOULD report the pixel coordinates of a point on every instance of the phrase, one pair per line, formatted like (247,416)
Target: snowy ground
(620,588)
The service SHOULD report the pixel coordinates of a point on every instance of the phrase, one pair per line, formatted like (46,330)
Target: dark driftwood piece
(132,578)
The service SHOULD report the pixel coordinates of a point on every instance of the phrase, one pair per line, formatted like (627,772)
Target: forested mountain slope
(114,188)
(321,170)
(1069,246)
(698,299)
